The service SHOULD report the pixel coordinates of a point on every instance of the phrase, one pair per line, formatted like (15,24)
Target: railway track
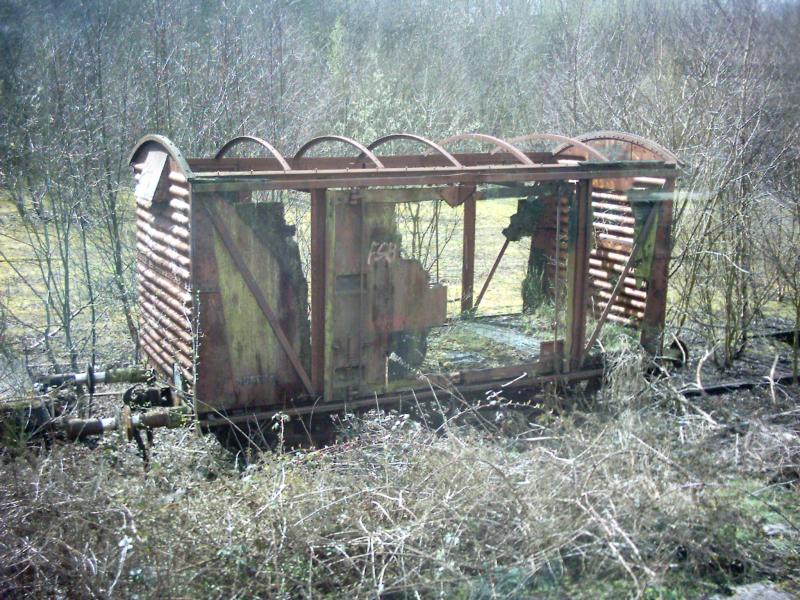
(726,387)
(786,336)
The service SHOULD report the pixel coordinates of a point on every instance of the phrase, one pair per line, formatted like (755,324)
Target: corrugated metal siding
(164,265)
(613,241)
(613,225)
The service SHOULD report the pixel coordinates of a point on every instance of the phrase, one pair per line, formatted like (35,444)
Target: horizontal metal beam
(411,395)
(272,180)
(311,163)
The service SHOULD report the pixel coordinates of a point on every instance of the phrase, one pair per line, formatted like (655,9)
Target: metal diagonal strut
(260,299)
(256,140)
(339,138)
(491,273)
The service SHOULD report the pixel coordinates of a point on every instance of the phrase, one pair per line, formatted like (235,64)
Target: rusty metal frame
(519,377)
(458,174)
(306,179)
(579,239)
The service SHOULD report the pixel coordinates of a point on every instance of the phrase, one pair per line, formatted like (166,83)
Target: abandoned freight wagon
(313,284)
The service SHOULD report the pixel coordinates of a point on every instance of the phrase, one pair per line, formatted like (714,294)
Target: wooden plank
(215,377)
(318,247)
(656,310)
(151,170)
(328,295)
(261,300)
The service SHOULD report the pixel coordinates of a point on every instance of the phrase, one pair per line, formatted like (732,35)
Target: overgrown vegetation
(644,496)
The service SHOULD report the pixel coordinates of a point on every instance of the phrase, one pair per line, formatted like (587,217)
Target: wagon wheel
(411,346)
(256,435)
(252,435)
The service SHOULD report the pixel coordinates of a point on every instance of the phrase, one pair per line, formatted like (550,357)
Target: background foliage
(715,81)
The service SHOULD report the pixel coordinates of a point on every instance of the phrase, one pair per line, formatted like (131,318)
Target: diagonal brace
(491,274)
(260,299)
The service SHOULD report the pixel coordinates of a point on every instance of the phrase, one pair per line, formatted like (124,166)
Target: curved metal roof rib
(165,143)
(418,138)
(555,137)
(256,140)
(510,148)
(630,138)
(339,138)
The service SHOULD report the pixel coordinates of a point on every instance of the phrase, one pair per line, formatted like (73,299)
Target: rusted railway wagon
(251,319)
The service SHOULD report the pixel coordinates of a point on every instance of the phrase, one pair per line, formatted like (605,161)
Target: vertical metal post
(318,246)
(655,310)
(578,247)
(468,256)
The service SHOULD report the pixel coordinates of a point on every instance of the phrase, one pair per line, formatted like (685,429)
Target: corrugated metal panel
(613,240)
(163,201)
(613,225)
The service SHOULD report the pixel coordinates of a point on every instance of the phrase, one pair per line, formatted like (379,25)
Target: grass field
(23,291)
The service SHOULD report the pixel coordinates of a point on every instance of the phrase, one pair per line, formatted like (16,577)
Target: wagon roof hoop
(498,162)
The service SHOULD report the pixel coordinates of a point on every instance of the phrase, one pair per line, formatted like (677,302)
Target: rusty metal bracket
(456,195)
(260,299)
